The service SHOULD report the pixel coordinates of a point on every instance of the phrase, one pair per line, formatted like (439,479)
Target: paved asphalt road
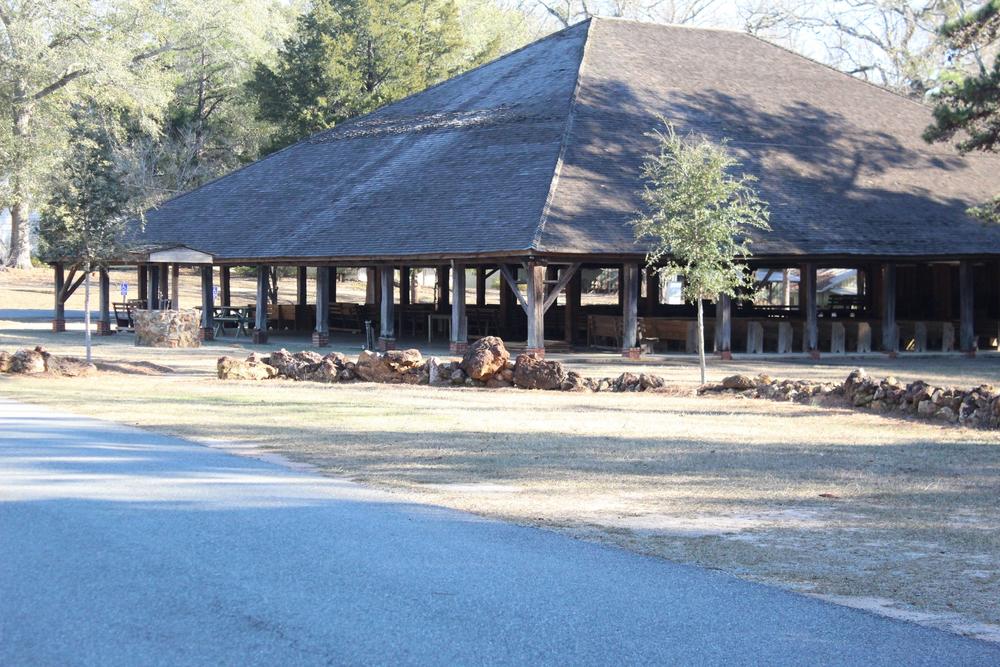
(122,547)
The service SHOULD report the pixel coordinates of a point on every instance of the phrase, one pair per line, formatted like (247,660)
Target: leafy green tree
(968,103)
(83,224)
(348,57)
(697,218)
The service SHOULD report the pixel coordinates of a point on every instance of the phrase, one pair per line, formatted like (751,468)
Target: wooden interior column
(442,288)
(260,320)
(225,295)
(302,286)
(536,309)
(165,282)
(59,307)
(966,308)
(104,299)
(175,290)
(459,342)
(404,286)
(506,302)
(321,334)
(141,281)
(629,282)
(152,287)
(207,331)
(573,295)
(387,310)
(807,287)
(890,332)
(724,327)
(480,285)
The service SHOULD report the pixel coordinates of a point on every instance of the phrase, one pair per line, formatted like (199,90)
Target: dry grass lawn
(895,515)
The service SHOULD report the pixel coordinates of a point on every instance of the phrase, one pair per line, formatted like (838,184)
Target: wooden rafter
(560,285)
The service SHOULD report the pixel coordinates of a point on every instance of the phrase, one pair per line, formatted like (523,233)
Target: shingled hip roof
(540,151)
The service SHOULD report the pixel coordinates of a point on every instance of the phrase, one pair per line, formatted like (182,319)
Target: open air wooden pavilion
(528,168)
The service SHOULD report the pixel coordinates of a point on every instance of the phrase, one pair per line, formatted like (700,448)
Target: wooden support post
(104,299)
(459,328)
(331,293)
(302,286)
(629,278)
(838,338)
(724,327)
(755,338)
(260,319)
(404,286)
(480,285)
(442,288)
(387,309)
(371,285)
(152,287)
(864,338)
(947,337)
(175,289)
(165,283)
(536,309)
(920,337)
(207,331)
(966,309)
(574,293)
(890,330)
(807,300)
(59,307)
(785,336)
(141,281)
(652,291)
(321,333)
(225,292)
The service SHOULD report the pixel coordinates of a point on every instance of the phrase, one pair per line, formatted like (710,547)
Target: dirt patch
(133,367)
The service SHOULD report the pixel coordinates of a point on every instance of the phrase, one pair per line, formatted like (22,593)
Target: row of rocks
(38,360)
(486,364)
(978,407)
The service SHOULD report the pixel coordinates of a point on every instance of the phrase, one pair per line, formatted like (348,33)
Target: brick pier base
(58,325)
(458,348)
(814,355)
(725,355)
(632,353)
(206,334)
(384,344)
(258,337)
(320,339)
(104,328)
(535,351)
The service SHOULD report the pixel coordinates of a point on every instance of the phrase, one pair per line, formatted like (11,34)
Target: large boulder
(738,382)
(392,367)
(231,368)
(167,328)
(531,372)
(290,365)
(485,358)
(28,362)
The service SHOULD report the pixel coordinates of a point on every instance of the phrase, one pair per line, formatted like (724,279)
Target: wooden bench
(347,317)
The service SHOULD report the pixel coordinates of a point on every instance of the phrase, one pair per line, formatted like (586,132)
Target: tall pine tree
(968,104)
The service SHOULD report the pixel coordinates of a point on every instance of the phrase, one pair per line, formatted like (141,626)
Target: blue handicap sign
(124,289)
(215,292)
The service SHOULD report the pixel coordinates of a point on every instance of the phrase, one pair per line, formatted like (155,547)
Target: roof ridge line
(564,141)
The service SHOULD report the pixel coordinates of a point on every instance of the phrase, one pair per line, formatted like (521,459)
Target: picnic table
(238,316)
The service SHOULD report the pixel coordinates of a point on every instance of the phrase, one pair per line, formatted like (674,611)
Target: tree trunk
(86,310)
(701,341)
(20,210)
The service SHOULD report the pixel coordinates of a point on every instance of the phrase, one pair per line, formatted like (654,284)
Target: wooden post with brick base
(536,308)
(966,309)
(387,310)
(724,327)
(260,319)
(152,287)
(890,330)
(807,283)
(207,330)
(321,333)
(630,311)
(175,288)
(225,294)
(459,341)
(104,300)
